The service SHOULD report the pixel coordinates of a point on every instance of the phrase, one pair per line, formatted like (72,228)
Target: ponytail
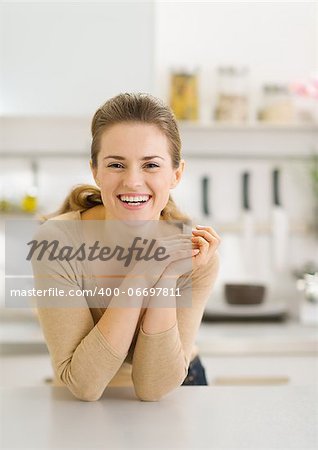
(81,198)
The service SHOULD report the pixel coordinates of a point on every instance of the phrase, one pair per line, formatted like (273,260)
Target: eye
(115,165)
(151,165)
(120,166)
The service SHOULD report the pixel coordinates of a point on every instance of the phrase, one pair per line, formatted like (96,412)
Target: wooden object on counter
(250,381)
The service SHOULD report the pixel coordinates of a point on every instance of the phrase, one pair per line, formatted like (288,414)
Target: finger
(212,240)
(206,235)
(209,230)
(201,242)
(206,248)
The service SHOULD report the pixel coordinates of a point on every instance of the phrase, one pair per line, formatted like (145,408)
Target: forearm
(118,324)
(159,318)
(159,365)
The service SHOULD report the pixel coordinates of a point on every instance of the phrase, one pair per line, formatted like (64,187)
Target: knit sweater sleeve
(161,361)
(81,356)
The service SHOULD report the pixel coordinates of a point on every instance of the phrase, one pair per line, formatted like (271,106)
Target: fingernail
(199,226)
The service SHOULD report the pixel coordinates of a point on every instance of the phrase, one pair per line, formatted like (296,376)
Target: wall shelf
(69,137)
(250,127)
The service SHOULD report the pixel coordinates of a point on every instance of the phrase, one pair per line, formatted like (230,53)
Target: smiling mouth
(132,201)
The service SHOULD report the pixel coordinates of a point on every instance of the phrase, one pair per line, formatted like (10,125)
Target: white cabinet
(250,354)
(25,370)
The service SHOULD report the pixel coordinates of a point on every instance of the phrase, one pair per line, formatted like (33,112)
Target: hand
(205,242)
(179,248)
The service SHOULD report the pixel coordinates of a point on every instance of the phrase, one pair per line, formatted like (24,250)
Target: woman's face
(134,171)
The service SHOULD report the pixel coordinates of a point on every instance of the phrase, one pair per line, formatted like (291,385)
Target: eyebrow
(121,158)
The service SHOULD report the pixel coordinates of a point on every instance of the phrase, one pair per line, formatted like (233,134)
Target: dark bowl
(244,294)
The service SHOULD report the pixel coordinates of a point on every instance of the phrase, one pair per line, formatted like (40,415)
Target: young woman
(135,161)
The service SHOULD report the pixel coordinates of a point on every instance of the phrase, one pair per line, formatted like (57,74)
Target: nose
(133,179)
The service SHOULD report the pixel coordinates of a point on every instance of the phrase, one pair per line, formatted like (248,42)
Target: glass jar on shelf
(232,99)
(29,202)
(184,95)
(8,195)
(277,105)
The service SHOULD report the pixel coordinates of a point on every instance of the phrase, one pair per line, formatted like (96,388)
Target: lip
(134,194)
(137,207)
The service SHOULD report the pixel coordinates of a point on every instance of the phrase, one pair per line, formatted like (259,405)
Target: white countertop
(190,417)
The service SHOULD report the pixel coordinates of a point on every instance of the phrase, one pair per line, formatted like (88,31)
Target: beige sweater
(83,359)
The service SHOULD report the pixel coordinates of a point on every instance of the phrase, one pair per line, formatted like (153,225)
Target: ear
(177,175)
(94,172)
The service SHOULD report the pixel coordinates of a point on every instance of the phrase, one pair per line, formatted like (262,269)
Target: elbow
(145,394)
(148,392)
(148,396)
(83,391)
(86,396)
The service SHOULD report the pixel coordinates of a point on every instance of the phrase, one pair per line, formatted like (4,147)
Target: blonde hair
(127,107)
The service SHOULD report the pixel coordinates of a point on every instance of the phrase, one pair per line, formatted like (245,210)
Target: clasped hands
(205,242)
(187,252)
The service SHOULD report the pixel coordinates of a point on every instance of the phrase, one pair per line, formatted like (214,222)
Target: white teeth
(140,198)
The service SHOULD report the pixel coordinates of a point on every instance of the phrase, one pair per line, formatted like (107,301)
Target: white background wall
(66,58)
(277,40)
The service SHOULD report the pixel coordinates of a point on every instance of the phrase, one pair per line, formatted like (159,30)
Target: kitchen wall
(278,41)
(65,58)
(75,49)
